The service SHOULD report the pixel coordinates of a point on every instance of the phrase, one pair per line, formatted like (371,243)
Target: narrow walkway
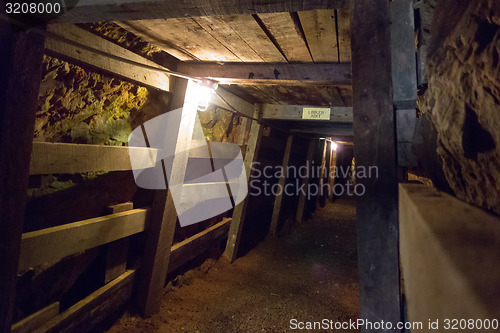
(308,275)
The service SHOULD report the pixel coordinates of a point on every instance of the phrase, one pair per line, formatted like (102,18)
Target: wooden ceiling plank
(319,28)
(250,31)
(284,30)
(344,22)
(221,31)
(125,10)
(273,74)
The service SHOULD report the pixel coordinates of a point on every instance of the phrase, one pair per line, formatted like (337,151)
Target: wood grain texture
(294,112)
(449,255)
(92,310)
(271,74)
(160,236)
(273,230)
(21,67)
(344,33)
(303,199)
(150,77)
(192,247)
(49,244)
(319,28)
(239,212)
(287,35)
(48,158)
(375,142)
(115,10)
(35,320)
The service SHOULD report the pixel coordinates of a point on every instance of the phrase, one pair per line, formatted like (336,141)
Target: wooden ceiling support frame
(124,10)
(375,142)
(271,73)
(21,67)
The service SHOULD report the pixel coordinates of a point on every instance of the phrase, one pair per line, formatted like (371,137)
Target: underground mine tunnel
(249,166)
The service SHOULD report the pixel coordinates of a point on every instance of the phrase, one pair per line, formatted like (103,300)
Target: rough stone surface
(463,98)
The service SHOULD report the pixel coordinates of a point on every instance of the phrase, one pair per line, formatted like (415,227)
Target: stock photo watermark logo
(263,180)
(204,178)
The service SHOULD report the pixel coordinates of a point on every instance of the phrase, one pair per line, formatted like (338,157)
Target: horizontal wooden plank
(152,77)
(92,310)
(49,244)
(192,247)
(449,255)
(271,73)
(225,99)
(48,158)
(30,323)
(294,112)
(123,10)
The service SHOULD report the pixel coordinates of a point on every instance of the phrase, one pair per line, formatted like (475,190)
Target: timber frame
(377,216)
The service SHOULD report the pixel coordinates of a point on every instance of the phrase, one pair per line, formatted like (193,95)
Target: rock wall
(463,97)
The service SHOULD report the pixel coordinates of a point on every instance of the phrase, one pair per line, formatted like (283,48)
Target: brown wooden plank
(239,212)
(375,144)
(95,10)
(92,310)
(294,112)
(192,247)
(146,31)
(303,199)
(35,320)
(190,37)
(344,23)
(273,230)
(253,35)
(150,77)
(216,27)
(48,158)
(116,252)
(164,216)
(271,74)
(21,67)
(319,28)
(441,241)
(284,30)
(53,243)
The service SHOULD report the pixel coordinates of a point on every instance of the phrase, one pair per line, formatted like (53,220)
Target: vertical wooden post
(331,174)
(116,253)
(160,235)
(239,212)
(21,56)
(375,145)
(299,217)
(321,194)
(282,181)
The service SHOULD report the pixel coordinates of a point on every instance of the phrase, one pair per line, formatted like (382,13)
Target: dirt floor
(309,275)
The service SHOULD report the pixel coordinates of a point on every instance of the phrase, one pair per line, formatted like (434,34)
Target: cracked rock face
(463,98)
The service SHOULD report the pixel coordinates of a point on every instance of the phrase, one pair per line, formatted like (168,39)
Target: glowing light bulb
(333,145)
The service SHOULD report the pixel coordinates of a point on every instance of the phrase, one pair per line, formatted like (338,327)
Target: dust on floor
(309,275)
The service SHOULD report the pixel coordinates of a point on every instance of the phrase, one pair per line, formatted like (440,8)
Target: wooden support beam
(54,243)
(222,97)
(163,215)
(375,142)
(271,74)
(404,63)
(37,319)
(324,132)
(239,212)
(338,114)
(192,247)
(305,183)
(154,77)
(48,158)
(116,252)
(126,10)
(21,67)
(273,230)
(449,256)
(92,310)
